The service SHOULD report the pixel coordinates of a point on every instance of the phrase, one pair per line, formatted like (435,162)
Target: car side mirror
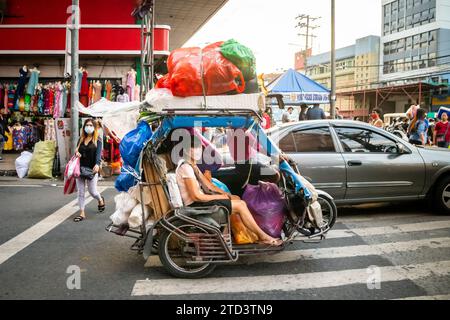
(402,149)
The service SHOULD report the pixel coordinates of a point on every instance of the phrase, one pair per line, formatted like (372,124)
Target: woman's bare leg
(240,207)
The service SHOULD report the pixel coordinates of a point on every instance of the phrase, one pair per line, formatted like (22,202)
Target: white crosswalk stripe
(337,252)
(289,282)
(387,230)
(438,297)
(328,279)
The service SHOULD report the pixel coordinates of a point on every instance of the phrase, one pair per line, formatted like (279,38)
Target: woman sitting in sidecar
(197,191)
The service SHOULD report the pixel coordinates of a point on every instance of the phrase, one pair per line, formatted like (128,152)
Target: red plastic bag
(163,83)
(69,185)
(73,168)
(187,65)
(266,203)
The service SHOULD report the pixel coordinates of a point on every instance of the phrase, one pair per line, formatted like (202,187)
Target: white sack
(23,164)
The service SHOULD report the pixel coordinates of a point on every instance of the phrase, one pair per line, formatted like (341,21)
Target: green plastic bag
(42,162)
(241,56)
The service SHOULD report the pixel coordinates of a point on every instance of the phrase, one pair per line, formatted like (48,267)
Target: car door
(314,151)
(376,167)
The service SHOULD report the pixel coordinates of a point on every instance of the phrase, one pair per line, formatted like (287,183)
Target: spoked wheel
(329,210)
(175,253)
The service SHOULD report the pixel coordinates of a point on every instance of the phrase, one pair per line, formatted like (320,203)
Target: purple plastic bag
(267,206)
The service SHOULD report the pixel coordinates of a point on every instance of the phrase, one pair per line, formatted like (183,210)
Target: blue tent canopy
(297,89)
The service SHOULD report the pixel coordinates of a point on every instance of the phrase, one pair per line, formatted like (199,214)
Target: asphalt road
(406,247)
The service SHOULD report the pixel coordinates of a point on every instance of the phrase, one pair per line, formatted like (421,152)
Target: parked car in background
(358,163)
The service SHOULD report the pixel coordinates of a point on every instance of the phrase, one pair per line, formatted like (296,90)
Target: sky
(268,27)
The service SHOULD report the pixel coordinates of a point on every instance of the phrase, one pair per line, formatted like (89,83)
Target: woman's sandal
(78,219)
(101,208)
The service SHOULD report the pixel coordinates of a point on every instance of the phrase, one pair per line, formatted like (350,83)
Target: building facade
(356,69)
(35,33)
(415,49)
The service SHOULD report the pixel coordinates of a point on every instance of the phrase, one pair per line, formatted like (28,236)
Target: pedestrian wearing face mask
(375,118)
(89,151)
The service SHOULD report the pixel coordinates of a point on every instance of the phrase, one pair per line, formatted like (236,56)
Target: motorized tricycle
(191,242)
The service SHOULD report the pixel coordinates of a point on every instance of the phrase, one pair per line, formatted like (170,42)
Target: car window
(356,140)
(287,144)
(310,140)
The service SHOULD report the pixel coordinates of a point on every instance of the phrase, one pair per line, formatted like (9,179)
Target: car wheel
(442,196)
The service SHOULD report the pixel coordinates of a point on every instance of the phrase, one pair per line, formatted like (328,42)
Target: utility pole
(74,69)
(147,47)
(333,61)
(304,23)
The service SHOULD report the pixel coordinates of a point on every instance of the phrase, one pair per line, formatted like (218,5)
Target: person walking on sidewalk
(441,135)
(3,128)
(89,151)
(418,129)
(316,113)
(375,118)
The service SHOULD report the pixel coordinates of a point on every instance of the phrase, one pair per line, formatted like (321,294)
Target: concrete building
(356,69)
(415,50)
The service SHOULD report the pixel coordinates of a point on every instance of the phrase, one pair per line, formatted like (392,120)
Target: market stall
(38,108)
(294,89)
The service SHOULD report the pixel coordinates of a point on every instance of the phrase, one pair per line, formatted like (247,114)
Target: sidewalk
(8,174)
(8,166)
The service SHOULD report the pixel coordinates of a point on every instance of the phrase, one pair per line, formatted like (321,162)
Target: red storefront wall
(107,27)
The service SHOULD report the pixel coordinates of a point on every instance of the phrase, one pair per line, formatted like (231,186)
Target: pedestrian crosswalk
(289,282)
(428,243)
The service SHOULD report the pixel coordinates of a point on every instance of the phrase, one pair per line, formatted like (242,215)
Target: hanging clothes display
(64,99)
(50,130)
(35,103)
(23,74)
(109,88)
(5,97)
(137,93)
(80,80)
(47,104)
(19,137)
(40,100)
(84,91)
(11,94)
(33,82)
(27,102)
(58,101)
(84,84)
(2,96)
(68,99)
(91,92)
(51,99)
(21,104)
(9,146)
(97,93)
(131,83)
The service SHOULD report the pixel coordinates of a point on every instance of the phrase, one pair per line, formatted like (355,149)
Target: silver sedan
(358,163)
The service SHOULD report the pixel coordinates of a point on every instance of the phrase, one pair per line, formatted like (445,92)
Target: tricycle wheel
(175,252)
(329,210)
